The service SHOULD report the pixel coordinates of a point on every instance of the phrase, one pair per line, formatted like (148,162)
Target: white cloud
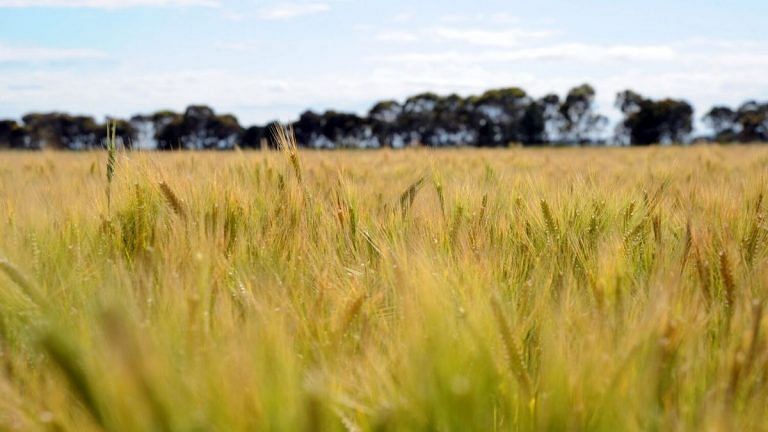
(502,38)
(252,97)
(33,54)
(243,47)
(494,18)
(397,36)
(577,52)
(469,36)
(705,72)
(503,18)
(234,15)
(403,17)
(288,10)
(105,4)
(259,98)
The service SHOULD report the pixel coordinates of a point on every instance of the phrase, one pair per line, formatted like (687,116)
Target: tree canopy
(494,118)
(647,121)
(748,123)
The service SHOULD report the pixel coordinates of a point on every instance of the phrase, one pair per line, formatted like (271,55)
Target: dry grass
(556,289)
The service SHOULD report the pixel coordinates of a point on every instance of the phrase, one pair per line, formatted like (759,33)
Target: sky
(269,60)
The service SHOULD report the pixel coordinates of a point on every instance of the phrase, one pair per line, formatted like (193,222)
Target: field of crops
(452,290)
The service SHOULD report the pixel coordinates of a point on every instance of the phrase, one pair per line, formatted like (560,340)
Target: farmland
(460,289)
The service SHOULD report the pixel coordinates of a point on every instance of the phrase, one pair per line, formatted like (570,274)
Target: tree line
(498,117)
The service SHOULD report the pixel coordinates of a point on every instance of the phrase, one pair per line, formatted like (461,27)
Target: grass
(553,289)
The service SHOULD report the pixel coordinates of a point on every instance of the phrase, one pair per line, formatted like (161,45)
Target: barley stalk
(513,351)
(172,199)
(549,219)
(286,141)
(17,277)
(729,283)
(409,195)
(64,355)
(111,144)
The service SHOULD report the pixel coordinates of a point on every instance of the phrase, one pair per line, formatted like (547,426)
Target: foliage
(496,118)
(650,122)
(580,121)
(749,123)
(198,128)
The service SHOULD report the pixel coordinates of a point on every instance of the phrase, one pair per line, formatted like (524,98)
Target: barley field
(449,290)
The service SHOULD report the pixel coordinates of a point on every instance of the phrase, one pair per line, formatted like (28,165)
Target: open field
(554,289)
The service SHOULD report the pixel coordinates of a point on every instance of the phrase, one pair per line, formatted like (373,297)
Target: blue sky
(264,60)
